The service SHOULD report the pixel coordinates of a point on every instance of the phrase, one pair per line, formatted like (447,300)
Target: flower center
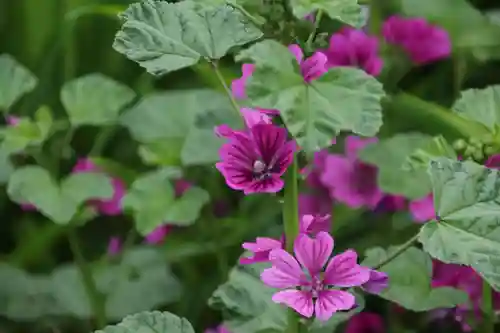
(315,285)
(260,170)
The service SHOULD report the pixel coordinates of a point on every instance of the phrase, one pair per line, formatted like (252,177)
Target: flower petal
(261,249)
(285,273)
(331,301)
(313,253)
(298,300)
(344,271)
(377,283)
(297,52)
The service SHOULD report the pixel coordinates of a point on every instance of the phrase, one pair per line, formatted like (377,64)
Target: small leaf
(466,198)
(15,80)
(151,322)
(347,11)
(389,155)
(164,37)
(410,276)
(95,99)
(34,185)
(344,99)
(185,210)
(480,105)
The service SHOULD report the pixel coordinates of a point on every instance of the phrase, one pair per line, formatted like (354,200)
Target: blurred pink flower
(423,41)
(110,206)
(114,246)
(254,161)
(27,207)
(157,236)
(422,209)
(493,162)
(13,120)
(218,329)
(351,47)
(350,180)
(309,293)
(365,322)
(311,68)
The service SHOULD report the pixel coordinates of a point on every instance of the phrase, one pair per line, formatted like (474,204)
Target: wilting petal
(377,282)
(298,300)
(285,273)
(344,271)
(261,249)
(313,253)
(422,209)
(331,301)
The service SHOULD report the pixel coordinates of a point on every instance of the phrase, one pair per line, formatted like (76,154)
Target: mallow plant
(308,127)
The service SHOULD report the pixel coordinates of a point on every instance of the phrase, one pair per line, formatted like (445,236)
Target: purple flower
(422,210)
(218,329)
(313,224)
(311,68)
(13,120)
(310,293)
(114,246)
(365,322)
(254,161)
(493,162)
(377,282)
(349,180)
(351,47)
(238,86)
(423,41)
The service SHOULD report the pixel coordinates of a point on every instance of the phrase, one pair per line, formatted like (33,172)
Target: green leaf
(15,80)
(34,185)
(151,322)
(6,166)
(95,99)
(247,306)
(343,99)
(389,155)
(347,11)
(27,133)
(480,105)
(164,37)
(153,201)
(410,276)
(421,157)
(168,133)
(467,232)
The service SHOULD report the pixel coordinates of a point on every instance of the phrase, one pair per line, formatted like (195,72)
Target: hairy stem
(398,252)
(291,225)
(95,297)
(488,318)
(229,94)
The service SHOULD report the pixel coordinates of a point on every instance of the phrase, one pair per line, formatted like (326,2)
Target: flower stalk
(489,317)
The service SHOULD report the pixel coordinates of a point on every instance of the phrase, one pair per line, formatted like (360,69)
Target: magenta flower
(365,322)
(114,246)
(391,203)
(308,285)
(13,120)
(423,41)
(350,180)
(351,47)
(377,282)
(493,162)
(238,86)
(157,236)
(313,224)
(311,68)
(254,161)
(422,210)
(108,206)
(218,329)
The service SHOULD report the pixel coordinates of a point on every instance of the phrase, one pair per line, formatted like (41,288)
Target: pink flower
(114,246)
(157,236)
(422,209)
(13,120)
(351,47)
(493,162)
(311,68)
(254,161)
(218,329)
(238,86)
(313,224)
(311,293)
(250,116)
(349,180)
(365,322)
(377,282)
(423,41)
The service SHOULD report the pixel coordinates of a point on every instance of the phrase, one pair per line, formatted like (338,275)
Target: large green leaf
(481,105)
(34,185)
(95,99)
(150,322)
(342,99)
(390,155)
(247,306)
(27,132)
(410,276)
(15,81)
(142,281)
(347,11)
(153,203)
(179,125)
(421,157)
(466,198)
(164,37)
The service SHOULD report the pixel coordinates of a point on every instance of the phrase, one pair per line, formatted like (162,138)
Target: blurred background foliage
(59,40)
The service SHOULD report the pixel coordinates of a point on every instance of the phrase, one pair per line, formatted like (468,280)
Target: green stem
(95,297)
(258,23)
(100,142)
(398,252)
(488,318)
(229,94)
(317,20)
(291,225)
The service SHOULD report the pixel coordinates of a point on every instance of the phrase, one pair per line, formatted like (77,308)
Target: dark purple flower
(377,283)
